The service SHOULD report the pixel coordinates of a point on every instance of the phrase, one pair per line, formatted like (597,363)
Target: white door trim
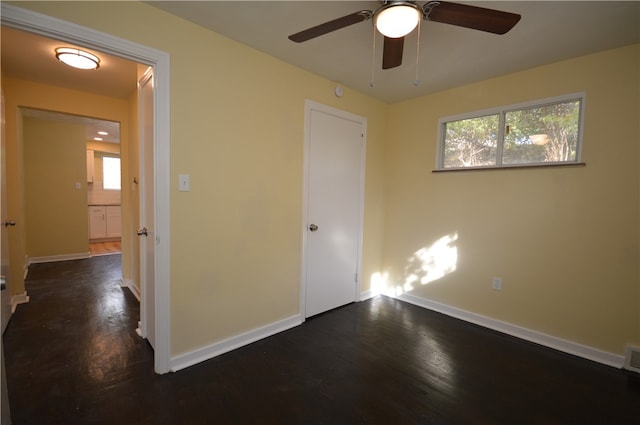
(309,107)
(25,20)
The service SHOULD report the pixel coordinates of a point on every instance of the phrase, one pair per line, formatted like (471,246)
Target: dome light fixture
(77,58)
(397,19)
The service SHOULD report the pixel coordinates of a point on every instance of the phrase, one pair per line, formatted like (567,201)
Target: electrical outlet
(497,283)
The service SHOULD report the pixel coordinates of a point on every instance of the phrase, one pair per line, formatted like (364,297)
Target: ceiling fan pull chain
(416,82)
(373,58)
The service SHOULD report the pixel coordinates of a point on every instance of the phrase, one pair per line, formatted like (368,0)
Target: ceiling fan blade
(477,18)
(330,26)
(392,52)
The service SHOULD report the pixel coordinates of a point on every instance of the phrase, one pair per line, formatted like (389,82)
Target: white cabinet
(114,228)
(90,166)
(105,221)
(97,222)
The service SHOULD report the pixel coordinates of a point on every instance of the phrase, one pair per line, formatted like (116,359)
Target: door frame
(37,23)
(5,305)
(311,106)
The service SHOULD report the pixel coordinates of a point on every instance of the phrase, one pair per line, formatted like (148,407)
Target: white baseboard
(559,344)
(365,295)
(54,258)
(205,353)
(129,283)
(18,299)
(26,267)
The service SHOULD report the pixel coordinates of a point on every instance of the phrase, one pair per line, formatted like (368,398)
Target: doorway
(43,25)
(57,149)
(334,195)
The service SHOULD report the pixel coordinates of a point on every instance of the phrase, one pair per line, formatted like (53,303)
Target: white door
(146,231)
(334,195)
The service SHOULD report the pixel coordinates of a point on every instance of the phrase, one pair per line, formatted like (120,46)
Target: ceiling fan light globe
(397,20)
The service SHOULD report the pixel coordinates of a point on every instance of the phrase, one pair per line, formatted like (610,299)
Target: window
(546,132)
(110,173)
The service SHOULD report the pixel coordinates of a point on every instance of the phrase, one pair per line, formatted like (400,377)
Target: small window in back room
(110,173)
(545,132)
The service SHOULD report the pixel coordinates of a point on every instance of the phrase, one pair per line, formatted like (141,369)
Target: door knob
(8,223)
(143,232)
(313,227)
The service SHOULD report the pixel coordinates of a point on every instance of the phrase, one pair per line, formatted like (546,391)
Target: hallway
(73,357)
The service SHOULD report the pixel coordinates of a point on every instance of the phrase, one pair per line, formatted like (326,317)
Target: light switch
(78,186)
(184,183)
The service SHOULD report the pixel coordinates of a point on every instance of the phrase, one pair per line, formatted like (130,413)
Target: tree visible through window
(472,142)
(536,134)
(110,173)
(542,134)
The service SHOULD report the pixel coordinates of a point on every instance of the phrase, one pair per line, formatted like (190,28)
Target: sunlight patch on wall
(379,283)
(426,265)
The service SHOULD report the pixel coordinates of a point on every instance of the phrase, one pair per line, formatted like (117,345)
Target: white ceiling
(115,77)
(91,125)
(450,56)
(31,57)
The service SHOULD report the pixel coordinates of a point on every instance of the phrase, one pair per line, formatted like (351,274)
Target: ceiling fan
(395,19)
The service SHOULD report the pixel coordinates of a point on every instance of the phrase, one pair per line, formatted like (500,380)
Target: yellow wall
(56,211)
(237,120)
(564,240)
(19,93)
(103,146)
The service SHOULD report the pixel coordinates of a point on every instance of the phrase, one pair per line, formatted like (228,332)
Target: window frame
(502,111)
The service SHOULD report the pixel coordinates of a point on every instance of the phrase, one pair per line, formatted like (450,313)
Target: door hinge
(356,277)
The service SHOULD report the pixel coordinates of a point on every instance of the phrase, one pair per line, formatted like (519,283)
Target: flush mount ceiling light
(397,19)
(77,58)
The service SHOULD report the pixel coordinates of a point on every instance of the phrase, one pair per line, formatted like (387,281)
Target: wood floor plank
(105,248)
(73,357)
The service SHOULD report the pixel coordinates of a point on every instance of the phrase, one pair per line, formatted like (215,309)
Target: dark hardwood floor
(73,357)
